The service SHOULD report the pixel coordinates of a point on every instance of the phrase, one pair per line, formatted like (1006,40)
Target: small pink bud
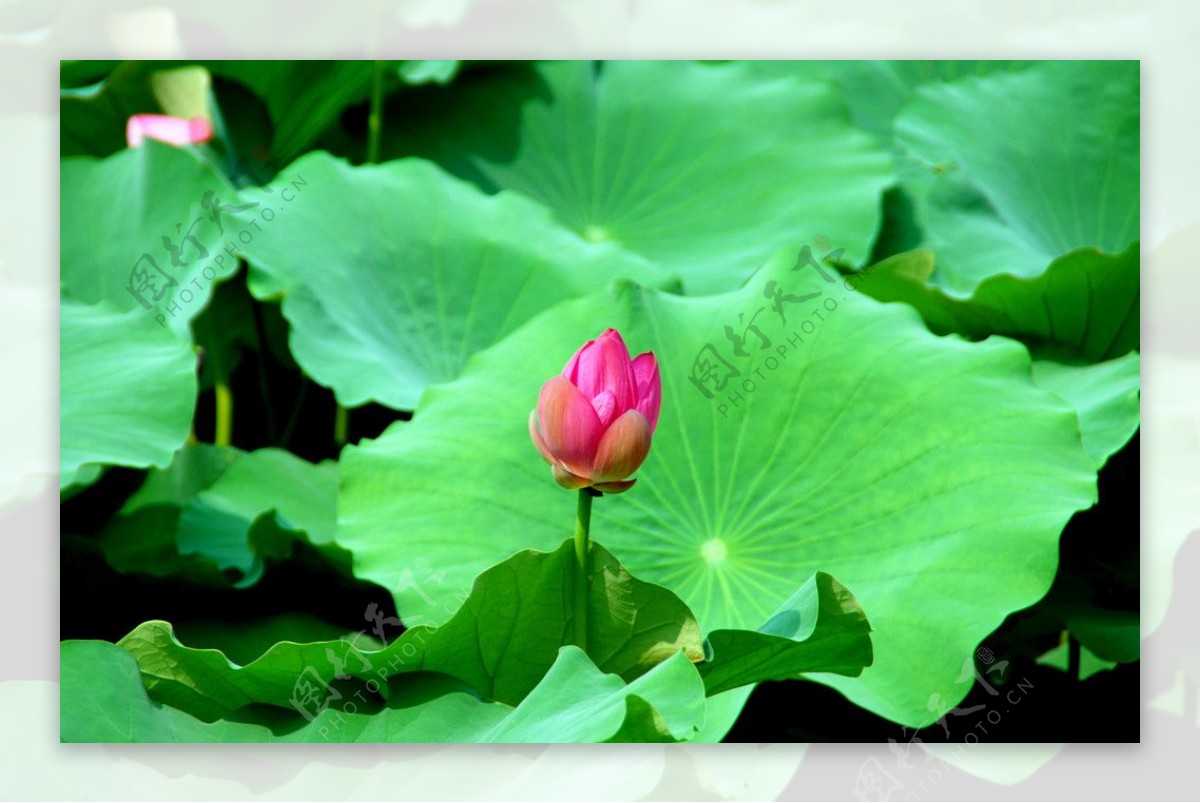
(593,424)
(171,130)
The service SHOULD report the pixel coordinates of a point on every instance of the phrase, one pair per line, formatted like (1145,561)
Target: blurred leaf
(704,179)
(127,391)
(1019,169)
(85,476)
(857,443)
(1113,635)
(435,271)
(1089,662)
(423,72)
(222,330)
(303,97)
(92,118)
(82,73)
(183,92)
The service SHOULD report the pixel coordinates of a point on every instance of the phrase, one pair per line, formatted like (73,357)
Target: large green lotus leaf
(1017,169)
(1084,306)
(508,634)
(137,421)
(218,511)
(1106,396)
(928,474)
(576,703)
(521,612)
(876,91)
(435,271)
(704,179)
(505,640)
(501,642)
(302,494)
(103,700)
(821,628)
(138,232)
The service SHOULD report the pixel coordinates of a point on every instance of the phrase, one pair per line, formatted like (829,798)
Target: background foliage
(933,439)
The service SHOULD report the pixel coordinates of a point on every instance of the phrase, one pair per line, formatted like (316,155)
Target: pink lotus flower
(594,422)
(171,130)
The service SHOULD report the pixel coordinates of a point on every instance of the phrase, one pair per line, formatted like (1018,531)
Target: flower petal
(572,482)
(649,386)
(605,365)
(537,439)
(570,428)
(199,129)
(164,128)
(605,406)
(614,487)
(622,449)
(571,370)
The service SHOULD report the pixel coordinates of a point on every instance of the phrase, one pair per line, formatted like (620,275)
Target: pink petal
(566,479)
(649,387)
(200,130)
(605,365)
(571,370)
(605,406)
(164,128)
(537,439)
(569,426)
(622,449)
(614,487)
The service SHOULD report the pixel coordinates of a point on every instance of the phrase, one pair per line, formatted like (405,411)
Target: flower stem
(341,426)
(224,425)
(374,131)
(375,118)
(583,523)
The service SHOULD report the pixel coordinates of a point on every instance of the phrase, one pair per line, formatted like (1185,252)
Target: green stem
(341,424)
(264,385)
(1073,657)
(295,416)
(583,523)
(375,121)
(224,414)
